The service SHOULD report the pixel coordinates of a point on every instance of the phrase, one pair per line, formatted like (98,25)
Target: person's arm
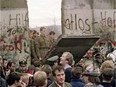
(37,46)
(33,49)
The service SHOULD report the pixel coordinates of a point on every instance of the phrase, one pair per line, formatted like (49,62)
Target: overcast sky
(44,12)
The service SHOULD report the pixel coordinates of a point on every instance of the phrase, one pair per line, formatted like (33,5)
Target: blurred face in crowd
(43,32)
(52,36)
(63,59)
(55,63)
(23,68)
(60,77)
(5,62)
(13,67)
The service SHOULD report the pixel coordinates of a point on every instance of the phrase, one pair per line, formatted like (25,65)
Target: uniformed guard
(53,61)
(52,37)
(22,66)
(32,47)
(42,44)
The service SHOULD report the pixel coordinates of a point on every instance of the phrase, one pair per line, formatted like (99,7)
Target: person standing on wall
(32,47)
(42,44)
(52,37)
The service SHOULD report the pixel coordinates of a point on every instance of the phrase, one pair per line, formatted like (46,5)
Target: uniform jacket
(77,83)
(42,45)
(33,50)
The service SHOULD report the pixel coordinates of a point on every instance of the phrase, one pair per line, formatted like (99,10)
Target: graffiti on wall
(19,19)
(74,22)
(105,26)
(95,17)
(105,45)
(14,39)
(77,23)
(105,22)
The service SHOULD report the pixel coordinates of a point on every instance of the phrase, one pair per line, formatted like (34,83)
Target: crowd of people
(58,71)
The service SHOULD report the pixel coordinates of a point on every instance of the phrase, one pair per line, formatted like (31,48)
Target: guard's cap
(22,63)
(52,59)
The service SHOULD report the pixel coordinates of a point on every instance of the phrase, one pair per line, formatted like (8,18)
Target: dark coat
(77,83)
(106,84)
(68,75)
(2,82)
(49,81)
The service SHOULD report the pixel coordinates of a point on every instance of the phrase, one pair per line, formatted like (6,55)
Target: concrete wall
(14,27)
(11,4)
(76,17)
(104,24)
(91,17)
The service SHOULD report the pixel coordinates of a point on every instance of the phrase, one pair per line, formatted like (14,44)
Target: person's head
(5,62)
(47,68)
(35,33)
(106,64)
(53,61)
(108,74)
(14,78)
(91,77)
(59,74)
(66,58)
(52,34)
(25,78)
(43,31)
(76,72)
(112,57)
(98,58)
(40,79)
(11,65)
(81,62)
(23,65)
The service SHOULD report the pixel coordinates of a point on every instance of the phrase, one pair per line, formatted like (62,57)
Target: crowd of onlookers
(57,71)
(60,71)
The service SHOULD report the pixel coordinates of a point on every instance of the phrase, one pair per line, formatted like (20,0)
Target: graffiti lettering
(108,21)
(14,30)
(8,47)
(16,45)
(18,19)
(73,23)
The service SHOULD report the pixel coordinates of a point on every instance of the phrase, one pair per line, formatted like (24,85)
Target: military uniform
(33,51)
(42,46)
(22,67)
(52,41)
(53,61)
